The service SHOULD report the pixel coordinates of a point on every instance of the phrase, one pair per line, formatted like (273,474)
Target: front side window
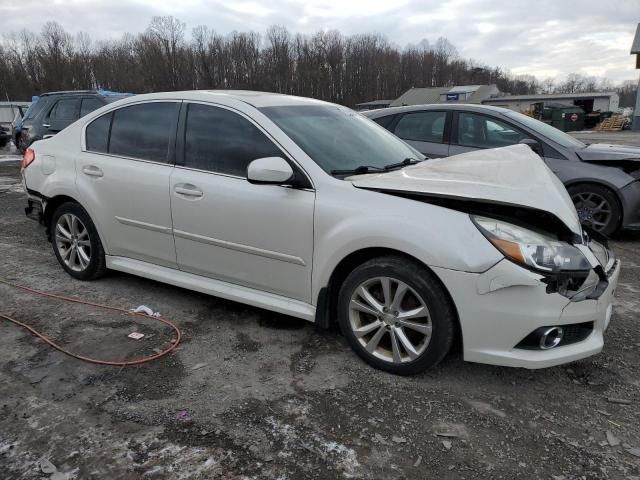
(337,138)
(218,140)
(481,131)
(143,131)
(422,126)
(552,133)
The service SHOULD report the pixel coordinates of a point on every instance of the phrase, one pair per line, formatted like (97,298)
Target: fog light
(551,337)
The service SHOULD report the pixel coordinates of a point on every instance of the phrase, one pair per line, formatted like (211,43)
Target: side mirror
(269,170)
(533,144)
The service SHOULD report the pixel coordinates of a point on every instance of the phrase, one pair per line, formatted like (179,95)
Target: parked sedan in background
(51,112)
(10,113)
(603,180)
(309,209)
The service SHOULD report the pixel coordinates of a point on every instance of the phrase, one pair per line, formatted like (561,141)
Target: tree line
(325,65)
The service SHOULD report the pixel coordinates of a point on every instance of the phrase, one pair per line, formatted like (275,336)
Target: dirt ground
(251,394)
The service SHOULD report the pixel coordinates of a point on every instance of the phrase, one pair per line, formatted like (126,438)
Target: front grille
(572,333)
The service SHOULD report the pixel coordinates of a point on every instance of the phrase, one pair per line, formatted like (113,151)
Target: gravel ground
(251,394)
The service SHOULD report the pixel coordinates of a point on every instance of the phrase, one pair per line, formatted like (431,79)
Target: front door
(259,236)
(473,131)
(123,180)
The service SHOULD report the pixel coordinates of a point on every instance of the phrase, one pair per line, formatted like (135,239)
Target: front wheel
(76,243)
(597,207)
(396,315)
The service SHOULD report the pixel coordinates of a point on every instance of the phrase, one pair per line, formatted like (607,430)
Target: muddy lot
(251,394)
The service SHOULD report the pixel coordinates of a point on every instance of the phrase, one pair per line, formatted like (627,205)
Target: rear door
(473,131)
(123,179)
(259,236)
(62,114)
(427,131)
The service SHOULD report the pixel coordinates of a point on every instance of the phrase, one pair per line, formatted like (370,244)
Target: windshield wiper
(404,163)
(358,170)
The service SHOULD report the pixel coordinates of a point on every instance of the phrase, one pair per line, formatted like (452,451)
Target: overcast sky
(547,38)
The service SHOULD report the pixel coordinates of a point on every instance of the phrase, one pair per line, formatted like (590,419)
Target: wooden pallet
(611,124)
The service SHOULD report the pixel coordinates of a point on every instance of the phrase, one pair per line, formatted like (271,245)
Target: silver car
(603,180)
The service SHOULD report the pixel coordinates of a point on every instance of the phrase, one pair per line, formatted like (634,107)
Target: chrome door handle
(46,125)
(188,190)
(92,171)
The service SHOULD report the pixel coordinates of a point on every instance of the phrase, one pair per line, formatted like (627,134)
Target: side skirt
(217,288)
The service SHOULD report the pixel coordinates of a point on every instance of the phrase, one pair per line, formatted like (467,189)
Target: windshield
(338,138)
(547,131)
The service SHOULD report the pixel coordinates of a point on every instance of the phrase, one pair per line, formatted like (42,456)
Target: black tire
(586,197)
(96,266)
(423,283)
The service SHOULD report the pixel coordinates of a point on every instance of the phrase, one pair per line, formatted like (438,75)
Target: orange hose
(173,346)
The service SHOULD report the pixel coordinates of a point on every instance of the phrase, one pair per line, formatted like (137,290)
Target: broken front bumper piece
(502,307)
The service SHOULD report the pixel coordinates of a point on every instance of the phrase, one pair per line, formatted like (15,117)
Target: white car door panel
(225,227)
(129,198)
(259,236)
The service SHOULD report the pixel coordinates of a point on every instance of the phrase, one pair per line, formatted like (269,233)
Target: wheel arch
(52,205)
(326,306)
(610,188)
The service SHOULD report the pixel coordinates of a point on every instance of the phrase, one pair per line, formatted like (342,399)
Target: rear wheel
(396,315)
(76,243)
(597,207)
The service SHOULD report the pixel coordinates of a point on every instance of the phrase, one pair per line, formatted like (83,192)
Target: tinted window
(337,138)
(97,134)
(218,140)
(384,121)
(65,109)
(89,105)
(422,126)
(552,133)
(486,132)
(143,131)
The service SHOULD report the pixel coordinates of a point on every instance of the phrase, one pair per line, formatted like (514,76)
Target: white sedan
(309,209)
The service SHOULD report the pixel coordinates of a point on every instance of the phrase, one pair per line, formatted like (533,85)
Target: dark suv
(53,111)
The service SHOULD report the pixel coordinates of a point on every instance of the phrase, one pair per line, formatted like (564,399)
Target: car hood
(511,176)
(603,152)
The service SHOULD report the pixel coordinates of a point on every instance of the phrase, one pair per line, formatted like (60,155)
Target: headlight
(530,248)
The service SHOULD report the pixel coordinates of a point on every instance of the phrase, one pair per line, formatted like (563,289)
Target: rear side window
(217,140)
(89,105)
(422,126)
(143,131)
(98,134)
(64,109)
(384,121)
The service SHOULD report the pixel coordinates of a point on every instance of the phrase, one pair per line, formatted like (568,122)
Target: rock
(380,439)
(418,461)
(485,408)
(612,439)
(634,451)
(397,439)
(199,365)
(47,467)
(619,401)
(447,444)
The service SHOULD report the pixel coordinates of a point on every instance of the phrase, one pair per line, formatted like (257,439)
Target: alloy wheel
(73,242)
(390,320)
(593,210)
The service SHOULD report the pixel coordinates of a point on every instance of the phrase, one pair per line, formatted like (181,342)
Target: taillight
(28,158)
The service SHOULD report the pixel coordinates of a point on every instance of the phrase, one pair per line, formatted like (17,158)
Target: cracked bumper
(500,307)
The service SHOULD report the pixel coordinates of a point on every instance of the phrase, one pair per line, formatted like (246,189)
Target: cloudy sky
(547,38)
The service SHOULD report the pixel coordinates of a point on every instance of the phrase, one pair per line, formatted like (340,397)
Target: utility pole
(635,50)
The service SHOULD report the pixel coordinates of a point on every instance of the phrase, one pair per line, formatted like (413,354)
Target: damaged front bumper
(501,308)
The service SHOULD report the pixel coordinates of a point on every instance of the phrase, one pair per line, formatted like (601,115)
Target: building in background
(374,105)
(457,94)
(635,50)
(589,102)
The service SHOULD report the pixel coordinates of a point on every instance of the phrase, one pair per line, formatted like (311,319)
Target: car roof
(253,98)
(383,112)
